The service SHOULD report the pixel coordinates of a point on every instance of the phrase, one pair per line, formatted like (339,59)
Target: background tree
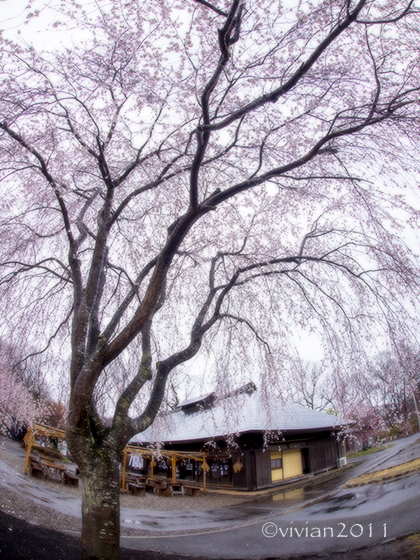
(204,174)
(28,394)
(19,408)
(391,385)
(310,385)
(377,394)
(29,368)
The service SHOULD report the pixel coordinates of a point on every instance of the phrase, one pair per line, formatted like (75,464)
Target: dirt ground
(20,540)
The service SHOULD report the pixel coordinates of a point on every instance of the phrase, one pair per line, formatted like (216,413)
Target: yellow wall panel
(276,474)
(292,463)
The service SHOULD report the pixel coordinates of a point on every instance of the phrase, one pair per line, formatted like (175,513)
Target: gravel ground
(15,504)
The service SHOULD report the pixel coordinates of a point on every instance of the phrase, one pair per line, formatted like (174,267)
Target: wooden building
(250,443)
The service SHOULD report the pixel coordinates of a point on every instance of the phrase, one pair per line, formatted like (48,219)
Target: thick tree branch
(227,36)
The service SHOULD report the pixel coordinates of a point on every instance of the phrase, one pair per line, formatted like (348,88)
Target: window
(276,464)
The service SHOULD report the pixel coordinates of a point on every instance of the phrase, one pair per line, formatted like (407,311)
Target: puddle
(298,494)
(340,503)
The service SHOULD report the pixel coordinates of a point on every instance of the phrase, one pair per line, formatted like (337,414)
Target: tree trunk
(101,511)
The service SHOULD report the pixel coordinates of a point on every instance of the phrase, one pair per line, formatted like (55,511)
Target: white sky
(12,16)
(12,23)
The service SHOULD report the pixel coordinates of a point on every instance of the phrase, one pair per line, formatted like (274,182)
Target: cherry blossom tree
(29,367)
(204,176)
(378,395)
(366,423)
(391,384)
(18,406)
(26,395)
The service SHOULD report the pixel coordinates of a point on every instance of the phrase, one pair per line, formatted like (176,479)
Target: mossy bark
(101,511)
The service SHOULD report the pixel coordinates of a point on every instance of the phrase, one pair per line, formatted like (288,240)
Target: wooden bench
(35,469)
(136,489)
(191,488)
(70,478)
(160,486)
(52,470)
(137,482)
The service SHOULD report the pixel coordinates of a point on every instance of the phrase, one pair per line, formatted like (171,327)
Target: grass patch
(414,542)
(385,474)
(367,452)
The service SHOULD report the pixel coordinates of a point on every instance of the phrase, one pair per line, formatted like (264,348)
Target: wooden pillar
(250,470)
(173,469)
(29,440)
(124,469)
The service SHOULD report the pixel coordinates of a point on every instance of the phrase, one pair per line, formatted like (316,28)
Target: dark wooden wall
(263,468)
(322,454)
(244,479)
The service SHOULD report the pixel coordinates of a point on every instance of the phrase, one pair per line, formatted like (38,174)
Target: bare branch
(398,17)
(208,5)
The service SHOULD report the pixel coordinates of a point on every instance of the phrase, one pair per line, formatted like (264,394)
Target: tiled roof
(240,414)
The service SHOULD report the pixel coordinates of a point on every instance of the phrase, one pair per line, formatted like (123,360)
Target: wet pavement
(325,518)
(348,521)
(314,519)
(40,494)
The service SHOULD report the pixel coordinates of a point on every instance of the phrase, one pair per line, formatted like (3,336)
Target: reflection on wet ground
(284,498)
(298,494)
(391,456)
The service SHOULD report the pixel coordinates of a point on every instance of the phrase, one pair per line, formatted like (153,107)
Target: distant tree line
(381,397)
